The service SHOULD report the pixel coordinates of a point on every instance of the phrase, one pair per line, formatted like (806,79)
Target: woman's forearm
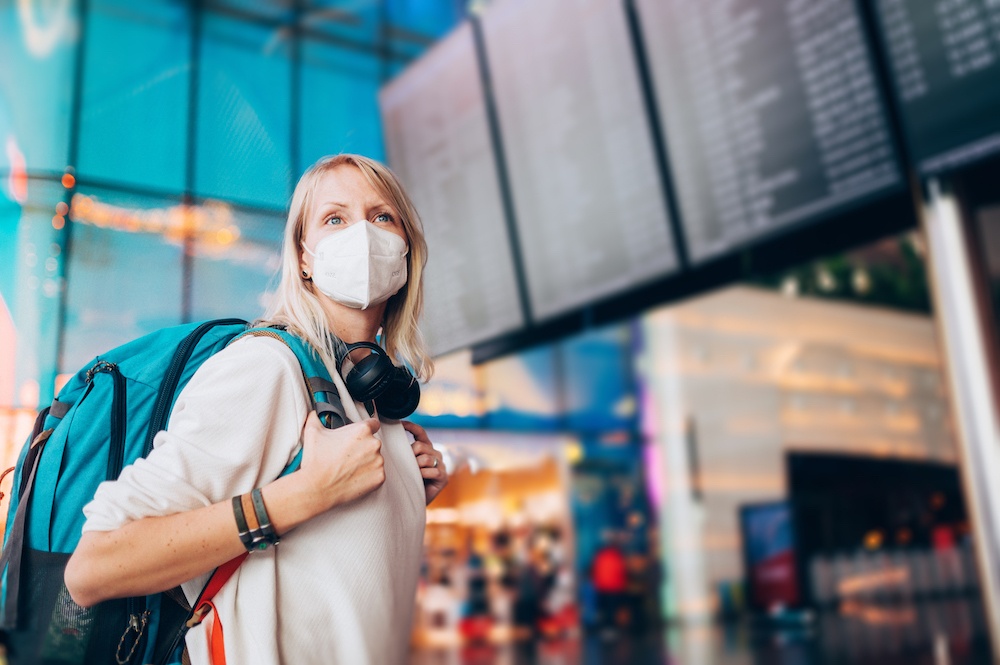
(158,553)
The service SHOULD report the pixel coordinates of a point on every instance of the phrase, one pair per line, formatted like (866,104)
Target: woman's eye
(333,219)
(383,217)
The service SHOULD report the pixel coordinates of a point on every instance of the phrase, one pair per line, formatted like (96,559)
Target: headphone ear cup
(369,378)
(400,397)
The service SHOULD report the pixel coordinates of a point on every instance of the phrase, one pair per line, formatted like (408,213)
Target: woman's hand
(430,461)
(341,464)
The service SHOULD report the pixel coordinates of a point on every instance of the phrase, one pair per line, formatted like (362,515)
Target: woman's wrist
(292,500)
(253,521)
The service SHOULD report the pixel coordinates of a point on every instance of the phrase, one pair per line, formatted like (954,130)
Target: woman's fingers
(423,448)
(429,460)
(418,432)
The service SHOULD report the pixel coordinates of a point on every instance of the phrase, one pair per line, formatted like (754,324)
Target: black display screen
(771,111)
(944,61)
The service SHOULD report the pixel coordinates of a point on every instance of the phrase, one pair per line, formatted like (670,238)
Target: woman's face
(343,197)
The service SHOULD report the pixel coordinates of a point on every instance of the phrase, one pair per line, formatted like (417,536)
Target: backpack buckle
(198,615)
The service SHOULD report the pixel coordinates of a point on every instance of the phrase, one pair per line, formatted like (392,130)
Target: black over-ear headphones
(374,379)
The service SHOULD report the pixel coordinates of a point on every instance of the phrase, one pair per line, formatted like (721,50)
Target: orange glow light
(68,180)
(62,208)
(58,222)
(873,539)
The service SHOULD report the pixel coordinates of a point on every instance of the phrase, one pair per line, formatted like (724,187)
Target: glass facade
(149,152)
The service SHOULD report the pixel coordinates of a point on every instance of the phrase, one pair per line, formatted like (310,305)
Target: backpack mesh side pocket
(54,630)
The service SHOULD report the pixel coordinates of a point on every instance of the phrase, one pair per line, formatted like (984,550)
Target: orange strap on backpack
(204,605)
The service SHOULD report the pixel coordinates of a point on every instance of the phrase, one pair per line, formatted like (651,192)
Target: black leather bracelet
(270,535)
(241,523)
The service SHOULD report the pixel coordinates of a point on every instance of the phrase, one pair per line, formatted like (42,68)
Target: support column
(960,319)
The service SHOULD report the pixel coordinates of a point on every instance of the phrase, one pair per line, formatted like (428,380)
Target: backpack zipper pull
(100,366)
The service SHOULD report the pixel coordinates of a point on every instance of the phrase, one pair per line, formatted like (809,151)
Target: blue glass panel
(600,394)
(395,67)
(236,255)
(521,392)
(269,9)
(424,17)
(30,287)
(135,99)
(348,21)
(244,112)
(37,51)
(10,215)
(339,103)
(124,272)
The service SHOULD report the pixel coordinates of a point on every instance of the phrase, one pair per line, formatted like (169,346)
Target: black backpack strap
(33,451)
(11,557)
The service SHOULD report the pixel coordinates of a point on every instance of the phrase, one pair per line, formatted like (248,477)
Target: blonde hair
(296,304)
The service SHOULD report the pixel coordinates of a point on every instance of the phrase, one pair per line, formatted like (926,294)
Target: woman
(340,587)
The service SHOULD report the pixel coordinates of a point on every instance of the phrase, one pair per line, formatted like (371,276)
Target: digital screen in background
(589,206)
(438,142)
(771,112)
(769,555)
(944,61)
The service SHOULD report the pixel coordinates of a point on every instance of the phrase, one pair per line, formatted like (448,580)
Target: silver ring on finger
(435,462)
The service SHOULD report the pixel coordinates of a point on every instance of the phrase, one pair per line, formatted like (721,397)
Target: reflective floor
(948,631)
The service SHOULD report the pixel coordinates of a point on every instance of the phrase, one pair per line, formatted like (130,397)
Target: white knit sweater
(338,589)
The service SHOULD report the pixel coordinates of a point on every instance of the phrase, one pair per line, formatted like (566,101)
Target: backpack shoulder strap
(322,391)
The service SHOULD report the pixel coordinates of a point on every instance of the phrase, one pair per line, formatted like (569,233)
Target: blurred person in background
(477,619)
(341,587)
(609,576)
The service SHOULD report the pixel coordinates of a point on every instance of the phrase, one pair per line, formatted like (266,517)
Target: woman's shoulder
(263,348)
(256,357)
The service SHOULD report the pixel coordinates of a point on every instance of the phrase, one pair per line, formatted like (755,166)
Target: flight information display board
(439,142)
(589,206)
(944,60)
(771,112)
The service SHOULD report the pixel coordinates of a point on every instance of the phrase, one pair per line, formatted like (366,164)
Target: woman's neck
(353,325)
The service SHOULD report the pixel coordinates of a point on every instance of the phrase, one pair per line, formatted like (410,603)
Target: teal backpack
(103,419)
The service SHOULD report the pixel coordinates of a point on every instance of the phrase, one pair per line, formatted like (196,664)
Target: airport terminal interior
(713,290)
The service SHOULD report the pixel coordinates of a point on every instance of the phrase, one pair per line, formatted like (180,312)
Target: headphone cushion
(369,378)
(402,396)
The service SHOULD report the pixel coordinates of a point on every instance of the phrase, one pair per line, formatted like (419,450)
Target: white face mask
(360,266)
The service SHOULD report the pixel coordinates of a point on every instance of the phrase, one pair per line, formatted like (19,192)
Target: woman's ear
(304,269)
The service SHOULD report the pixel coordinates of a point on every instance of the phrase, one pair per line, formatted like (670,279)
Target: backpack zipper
(164,397)
(116,453)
